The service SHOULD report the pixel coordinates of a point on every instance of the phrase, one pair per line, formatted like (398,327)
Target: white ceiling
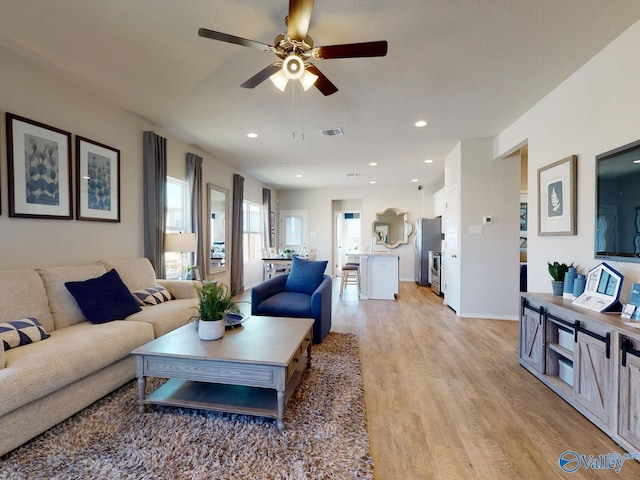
(469,67)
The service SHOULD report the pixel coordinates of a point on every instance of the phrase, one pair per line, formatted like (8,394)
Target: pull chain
(294,112)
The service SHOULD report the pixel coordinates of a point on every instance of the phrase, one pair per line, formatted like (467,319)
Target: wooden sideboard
(590,359)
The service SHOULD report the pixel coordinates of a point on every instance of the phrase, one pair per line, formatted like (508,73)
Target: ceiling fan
(295,50)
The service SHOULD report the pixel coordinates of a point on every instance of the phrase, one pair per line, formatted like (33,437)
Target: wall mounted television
(618,204)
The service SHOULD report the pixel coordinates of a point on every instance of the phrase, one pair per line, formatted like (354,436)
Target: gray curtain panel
(237,262)
(194,182)
(266,207)
(154,155)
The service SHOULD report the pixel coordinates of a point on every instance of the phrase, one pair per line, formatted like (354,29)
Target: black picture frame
(97,181)
(39,169)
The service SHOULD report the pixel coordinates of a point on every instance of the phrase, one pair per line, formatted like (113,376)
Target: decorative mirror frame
(211,270)
(379,226)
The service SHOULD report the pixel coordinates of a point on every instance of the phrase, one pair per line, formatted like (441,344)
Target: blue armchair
(284,297)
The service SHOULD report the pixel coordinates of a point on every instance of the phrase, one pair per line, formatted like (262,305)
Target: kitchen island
(379,274)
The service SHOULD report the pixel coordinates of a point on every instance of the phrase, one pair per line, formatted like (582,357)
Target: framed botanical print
(39,168)
(97,181)
(557,209)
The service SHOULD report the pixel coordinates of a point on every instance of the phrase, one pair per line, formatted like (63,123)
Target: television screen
(618,204)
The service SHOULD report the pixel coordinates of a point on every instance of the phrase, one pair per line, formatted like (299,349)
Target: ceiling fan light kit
(294,47)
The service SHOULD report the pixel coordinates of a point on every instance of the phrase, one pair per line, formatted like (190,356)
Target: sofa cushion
(152,295)
(305,275)
(63,306)
(286,304)
(21,332)
(104,299)
(24,295)
(71,353)
(167,316)
(136,273)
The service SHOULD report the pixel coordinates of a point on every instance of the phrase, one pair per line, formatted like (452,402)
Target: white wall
(490,261)
(318,202)
(593,111)
(38,94)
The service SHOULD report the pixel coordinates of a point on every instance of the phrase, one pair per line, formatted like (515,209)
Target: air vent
(351,175)
(331,132)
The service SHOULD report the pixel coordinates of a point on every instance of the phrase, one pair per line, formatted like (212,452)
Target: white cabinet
(379,276)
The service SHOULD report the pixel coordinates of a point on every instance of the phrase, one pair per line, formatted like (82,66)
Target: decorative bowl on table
(234,319)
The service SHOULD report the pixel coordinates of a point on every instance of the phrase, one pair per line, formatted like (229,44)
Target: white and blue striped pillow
(153,295)
(21,332)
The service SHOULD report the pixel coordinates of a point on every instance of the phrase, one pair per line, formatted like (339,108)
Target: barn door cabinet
(590,359)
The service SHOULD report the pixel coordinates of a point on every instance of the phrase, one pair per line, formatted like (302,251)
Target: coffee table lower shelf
(239,399)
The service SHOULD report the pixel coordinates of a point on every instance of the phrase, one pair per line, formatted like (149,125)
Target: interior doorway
(524,215)
(347,231)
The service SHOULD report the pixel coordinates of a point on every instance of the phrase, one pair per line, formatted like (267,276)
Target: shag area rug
(325,435)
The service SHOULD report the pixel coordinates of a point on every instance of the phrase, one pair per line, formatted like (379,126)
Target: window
(177,214)
(252,231)
(177,221)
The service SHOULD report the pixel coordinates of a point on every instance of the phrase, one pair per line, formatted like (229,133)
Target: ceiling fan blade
(299,18)
(224,37)
(261,76)
(351,50)
(322,83)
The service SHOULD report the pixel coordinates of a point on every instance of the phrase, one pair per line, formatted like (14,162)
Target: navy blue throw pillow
(305,276)
(104,298)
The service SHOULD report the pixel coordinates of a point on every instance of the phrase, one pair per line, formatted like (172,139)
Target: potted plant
(215,300)
(288,252)
(557,272)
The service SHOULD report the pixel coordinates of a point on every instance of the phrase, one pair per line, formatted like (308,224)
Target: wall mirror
(392,228)
(218,201)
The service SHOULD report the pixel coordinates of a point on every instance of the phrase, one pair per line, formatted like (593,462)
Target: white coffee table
(252,370)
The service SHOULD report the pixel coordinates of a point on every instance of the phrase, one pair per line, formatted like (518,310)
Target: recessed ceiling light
(373,164)
(252,135)
(421,123)
(298,175)
(372,182)
(428,160)
(414,179)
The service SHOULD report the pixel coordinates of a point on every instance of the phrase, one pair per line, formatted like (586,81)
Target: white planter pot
(211,330)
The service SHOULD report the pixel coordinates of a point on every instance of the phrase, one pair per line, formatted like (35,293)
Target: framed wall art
(557,209)
(97,181)
(39,169)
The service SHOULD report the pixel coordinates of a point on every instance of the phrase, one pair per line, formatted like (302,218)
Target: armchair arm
(266,289)
(321,309)
(179,288)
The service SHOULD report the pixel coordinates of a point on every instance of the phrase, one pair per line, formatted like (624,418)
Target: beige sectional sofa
(43,383)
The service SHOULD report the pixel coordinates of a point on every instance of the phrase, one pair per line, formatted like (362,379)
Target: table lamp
(182,243)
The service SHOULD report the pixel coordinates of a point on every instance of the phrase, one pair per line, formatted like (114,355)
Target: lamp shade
(180,242)
(279,79)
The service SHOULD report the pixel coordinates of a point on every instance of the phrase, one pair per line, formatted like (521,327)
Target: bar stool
(350,276)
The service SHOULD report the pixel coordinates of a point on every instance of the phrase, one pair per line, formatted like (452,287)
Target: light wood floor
(447,399)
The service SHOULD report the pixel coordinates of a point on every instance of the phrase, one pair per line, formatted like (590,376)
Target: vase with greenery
(557,271)
(215,300)
(288,252)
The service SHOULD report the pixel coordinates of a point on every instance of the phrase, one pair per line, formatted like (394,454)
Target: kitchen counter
(379,274)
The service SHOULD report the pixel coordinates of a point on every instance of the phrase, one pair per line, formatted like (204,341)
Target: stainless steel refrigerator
(428,238)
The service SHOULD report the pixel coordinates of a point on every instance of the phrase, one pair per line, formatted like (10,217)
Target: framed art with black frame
(557,209)
(97,181)
(39,169)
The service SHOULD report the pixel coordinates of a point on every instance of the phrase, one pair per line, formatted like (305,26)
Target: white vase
(211,330)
